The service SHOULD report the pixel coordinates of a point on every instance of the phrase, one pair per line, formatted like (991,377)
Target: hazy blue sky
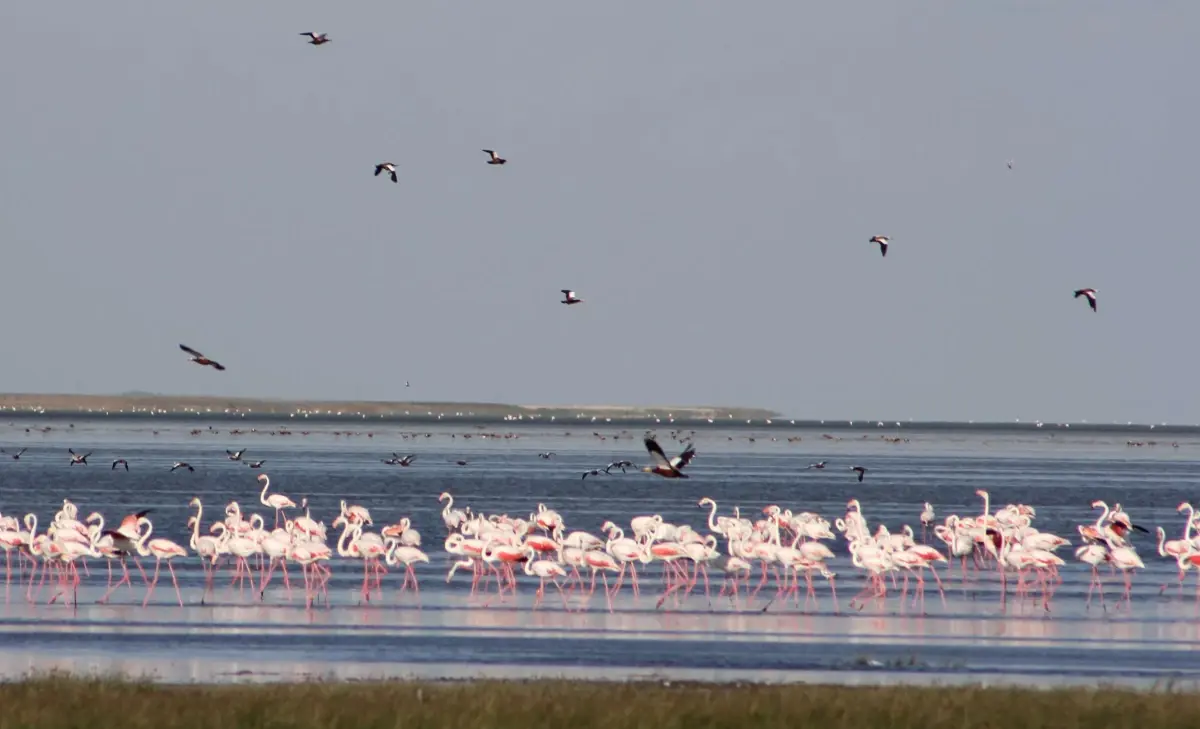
(705,174)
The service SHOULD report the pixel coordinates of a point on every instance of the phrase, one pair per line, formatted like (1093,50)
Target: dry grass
(59,702)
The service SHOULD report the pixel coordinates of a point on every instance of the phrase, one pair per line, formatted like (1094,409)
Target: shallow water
(446,633)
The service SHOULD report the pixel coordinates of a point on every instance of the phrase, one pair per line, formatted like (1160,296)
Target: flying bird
(181,464)
(883,241)
(668,468)
(546,456)
(1091,296)
(1010,164)
(317,38)
(255,464)
(78,459)
(461,462)
(495,158)
(15,456)
(818,465)
(388,167)
(618,464)
(120,462)
(593,472)
(569,297)
(862,472)
(396,460)
(235,455)
(200,359)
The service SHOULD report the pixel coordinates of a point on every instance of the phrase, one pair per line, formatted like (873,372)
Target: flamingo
(161,549)
(278,502)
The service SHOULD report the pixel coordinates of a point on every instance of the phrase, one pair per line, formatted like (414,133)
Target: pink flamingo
(161,549)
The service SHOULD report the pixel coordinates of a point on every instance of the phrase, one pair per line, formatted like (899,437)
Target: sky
(704,174)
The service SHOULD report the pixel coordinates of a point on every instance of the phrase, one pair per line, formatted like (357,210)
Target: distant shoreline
(148,404)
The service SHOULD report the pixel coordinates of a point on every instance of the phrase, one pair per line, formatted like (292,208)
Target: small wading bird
(120,462)
(495,158)
(668,468)
(77,459)
(396,460)
(862,472)
(235,455)
(200,359)
(15,456)
(181,464)
(569,297)
(255,464)
(388,167)
(1091,296)
(883,241)
(317,38)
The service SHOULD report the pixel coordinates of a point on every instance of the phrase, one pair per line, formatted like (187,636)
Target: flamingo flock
(789,549)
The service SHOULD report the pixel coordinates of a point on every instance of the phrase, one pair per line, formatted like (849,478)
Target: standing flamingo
(278,502)
(161,549)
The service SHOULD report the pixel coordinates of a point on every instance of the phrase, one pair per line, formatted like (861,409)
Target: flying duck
(388,167)
(667,468)
(317,38)
(200,359)
(181,464)
(862,472)
(78,459)
(495,158)
(1090,294)
(120,462)
(883,241)
(235,455)
(15,456)
(255,464)
(818,465)
(569,297)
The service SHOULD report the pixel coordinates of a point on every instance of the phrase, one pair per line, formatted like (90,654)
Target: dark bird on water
(120,462)
(77,459)
(388,167)
(1091,297)
(667,467)
(200,359)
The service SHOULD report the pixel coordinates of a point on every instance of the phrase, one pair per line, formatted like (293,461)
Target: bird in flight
(120,462)
(317,38)
(388,167)
(883,241)
(546,456)
(818,465)
(1091,296)
(618,464)
(180,464)
(255,464)
(78,459)
(569,297)
(862,472)
(15,456)
(200,359)
(235,455)
(396,460)
(594,472)
(461,462)
(495,158)
(668,468)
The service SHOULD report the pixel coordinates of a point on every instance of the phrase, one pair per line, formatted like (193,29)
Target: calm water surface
(448,634)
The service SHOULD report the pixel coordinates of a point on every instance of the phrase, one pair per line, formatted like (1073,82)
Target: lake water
(448,634)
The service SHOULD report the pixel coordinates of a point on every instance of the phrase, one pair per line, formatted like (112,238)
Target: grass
(57,701)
